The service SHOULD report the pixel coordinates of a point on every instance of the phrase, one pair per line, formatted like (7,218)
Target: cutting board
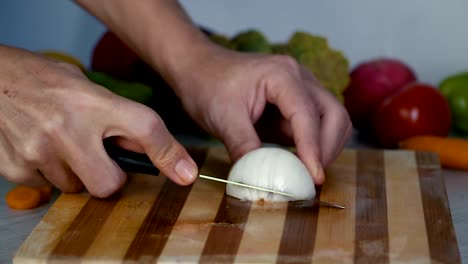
(396,212)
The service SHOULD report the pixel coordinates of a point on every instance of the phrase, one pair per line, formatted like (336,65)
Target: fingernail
(186,170)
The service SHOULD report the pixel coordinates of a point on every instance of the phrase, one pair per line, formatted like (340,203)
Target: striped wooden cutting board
(396,212)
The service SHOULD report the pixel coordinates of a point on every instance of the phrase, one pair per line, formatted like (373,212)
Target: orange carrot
(453,152)
(23,197)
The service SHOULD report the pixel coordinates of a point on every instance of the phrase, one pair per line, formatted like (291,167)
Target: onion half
(272,168)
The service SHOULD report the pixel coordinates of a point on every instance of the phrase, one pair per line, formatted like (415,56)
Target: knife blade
(140,163)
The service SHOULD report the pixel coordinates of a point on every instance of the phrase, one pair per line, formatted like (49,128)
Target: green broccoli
(251,41)
(301,42)
(329,66)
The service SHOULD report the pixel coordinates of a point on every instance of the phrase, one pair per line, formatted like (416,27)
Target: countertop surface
(16,225)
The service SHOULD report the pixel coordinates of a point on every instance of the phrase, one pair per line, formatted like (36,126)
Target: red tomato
(371,82)
(418,109)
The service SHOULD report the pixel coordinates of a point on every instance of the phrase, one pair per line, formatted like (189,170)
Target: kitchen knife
(140,163)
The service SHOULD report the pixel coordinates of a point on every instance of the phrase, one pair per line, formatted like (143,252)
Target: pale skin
(53,120)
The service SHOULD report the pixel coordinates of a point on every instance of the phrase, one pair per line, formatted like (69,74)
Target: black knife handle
(130,161)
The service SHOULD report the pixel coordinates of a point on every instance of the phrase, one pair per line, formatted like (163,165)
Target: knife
(140,163)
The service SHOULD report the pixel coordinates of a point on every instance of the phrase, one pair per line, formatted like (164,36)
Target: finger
(127,144)
(23,176)
(97,171)
(300,110)
(238,135)
(14,168)
(61,176)
(334,132)
(143,126)
(335,122)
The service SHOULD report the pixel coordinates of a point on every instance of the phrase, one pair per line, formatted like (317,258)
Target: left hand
(227,92)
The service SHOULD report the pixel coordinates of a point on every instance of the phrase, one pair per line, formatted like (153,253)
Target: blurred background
(430,35)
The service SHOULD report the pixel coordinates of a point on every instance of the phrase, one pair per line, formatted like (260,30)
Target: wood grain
(264,227)
(298,239)
(193,226)
(334,242)
(439,227)
(371,244)
(157,226)
(228,227)
(123,223)
(396,212)
(83,230)
(408,240)
(47,234)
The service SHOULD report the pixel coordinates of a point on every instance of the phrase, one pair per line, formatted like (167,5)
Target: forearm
(158,30)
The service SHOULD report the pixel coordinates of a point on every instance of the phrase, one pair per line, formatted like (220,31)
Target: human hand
(53,122)
(227,92)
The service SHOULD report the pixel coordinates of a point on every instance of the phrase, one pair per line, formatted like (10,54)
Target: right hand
(53,121)
(228,93)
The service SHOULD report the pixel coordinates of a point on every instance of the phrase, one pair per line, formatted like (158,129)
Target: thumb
(140,129)
(239,135)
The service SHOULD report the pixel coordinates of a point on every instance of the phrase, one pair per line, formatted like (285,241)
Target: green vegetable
(251,41)
(137,92)
(301,42)
(453,82)
(329,66)
(455,90)
(280,48)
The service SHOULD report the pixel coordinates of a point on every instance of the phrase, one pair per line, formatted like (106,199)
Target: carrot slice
(453,152)
(23,197)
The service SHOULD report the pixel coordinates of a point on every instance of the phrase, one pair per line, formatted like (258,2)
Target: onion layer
(272,168)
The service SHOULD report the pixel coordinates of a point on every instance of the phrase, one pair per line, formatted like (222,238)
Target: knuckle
(151,123)
(287,63)
(69,67)
(106,188)
(17,175)
(342,113)
(62,67)
(55,77)
(307,111)
(66,181)
(338,111)
(37,149)
(284,71)
(34,151)
(54,125)
(71,187)
(167,154)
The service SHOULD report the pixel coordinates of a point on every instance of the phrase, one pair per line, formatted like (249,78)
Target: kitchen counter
(15,225)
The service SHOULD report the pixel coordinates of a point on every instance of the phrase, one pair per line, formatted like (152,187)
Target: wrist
(178,60)
(159,31)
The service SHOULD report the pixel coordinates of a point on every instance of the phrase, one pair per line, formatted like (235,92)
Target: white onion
(272,168)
